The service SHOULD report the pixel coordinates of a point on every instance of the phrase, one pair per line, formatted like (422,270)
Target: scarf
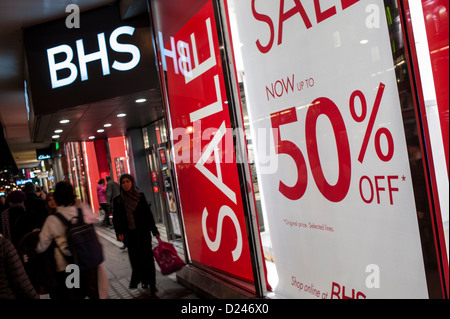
(131,200)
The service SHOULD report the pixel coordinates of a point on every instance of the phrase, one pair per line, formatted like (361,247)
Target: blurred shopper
(50,203)
(92,281)
(3,204)
(133,221)
(16,221)
(112,191)
(40,192)
(101,196)
(34,203)
(14,282)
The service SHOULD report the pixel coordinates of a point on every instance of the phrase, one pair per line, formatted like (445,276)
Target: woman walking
(54,236)
(133,221)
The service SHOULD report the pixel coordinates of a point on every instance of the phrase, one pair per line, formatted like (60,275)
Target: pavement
(118,270)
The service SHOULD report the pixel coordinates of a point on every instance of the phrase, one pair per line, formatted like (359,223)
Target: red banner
(436,22)
(206,165)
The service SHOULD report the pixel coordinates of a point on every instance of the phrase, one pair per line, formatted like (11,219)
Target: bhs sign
(68,67)
(84,58)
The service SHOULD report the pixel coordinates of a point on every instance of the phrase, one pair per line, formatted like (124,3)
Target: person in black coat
(3,204)
(16,221)
(35,204)
(133,221)
(14,282)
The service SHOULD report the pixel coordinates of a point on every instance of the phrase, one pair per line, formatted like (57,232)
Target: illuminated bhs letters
(84,58)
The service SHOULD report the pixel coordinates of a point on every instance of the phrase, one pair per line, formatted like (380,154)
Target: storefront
(312,120)
(296,148)
(85,163)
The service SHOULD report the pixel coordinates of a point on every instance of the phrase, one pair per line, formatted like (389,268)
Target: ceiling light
(107,125)
(55,136)
(141,100)
(58,131)
(91,137)
(64,121)
(100,130)
(364,41)
(121,115)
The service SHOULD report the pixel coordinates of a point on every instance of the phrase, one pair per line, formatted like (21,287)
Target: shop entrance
(162,191)
(157,190)
(163,196)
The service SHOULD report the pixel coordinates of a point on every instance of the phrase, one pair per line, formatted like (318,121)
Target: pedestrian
(40,192)
(16,221)
(101,196)
(34,203)
(14,281)
(112,190)
(3,204)
(133,221)
(92,280)
(50,203)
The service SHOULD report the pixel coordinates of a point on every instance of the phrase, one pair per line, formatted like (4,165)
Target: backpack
(84,246)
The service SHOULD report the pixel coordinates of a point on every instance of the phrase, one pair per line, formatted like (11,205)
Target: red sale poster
(205,162)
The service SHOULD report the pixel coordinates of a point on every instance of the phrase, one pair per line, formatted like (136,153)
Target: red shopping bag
(167,258)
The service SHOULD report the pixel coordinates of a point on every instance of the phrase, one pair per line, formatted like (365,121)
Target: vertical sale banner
(205,161)
(333,166)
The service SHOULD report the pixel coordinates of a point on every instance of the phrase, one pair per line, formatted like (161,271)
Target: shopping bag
(167,258)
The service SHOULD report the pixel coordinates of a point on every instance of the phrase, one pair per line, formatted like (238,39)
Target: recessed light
(91,137)
(141,100)
(121,115)
(364,41)
(64,121)
(100,130)
(107,125)
(55,136)
(58,131)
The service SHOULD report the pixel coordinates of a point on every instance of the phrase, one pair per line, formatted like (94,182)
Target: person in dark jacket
(112,190)
(35,204)
(133,221)
(16,221)
(3,204)
(14,282)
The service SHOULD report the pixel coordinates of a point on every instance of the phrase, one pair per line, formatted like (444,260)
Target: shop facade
(298,149)
(309,159)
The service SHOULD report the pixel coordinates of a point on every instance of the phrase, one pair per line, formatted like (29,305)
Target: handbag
(167,258)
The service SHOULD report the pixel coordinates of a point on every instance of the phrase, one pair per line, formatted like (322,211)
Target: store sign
(83,58)
(75,66)
(43,157)
(23,181)
(43,153)
(319,79)
(209,187)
